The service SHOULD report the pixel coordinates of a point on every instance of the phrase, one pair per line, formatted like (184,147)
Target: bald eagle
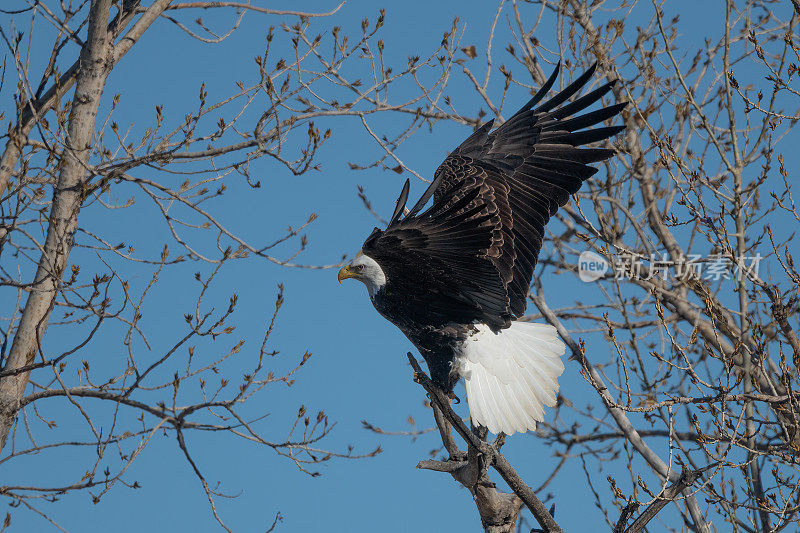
(455,277)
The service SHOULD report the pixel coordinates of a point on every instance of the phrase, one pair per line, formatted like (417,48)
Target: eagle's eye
(359,267)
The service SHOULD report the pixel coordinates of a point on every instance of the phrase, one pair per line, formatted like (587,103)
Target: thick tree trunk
(67,198)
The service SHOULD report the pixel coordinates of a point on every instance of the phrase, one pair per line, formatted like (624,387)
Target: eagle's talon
(453,396)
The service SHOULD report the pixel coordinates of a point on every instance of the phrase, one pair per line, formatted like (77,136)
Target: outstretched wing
(526,169)
(471,255)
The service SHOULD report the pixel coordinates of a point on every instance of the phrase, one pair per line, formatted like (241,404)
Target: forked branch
(483,454)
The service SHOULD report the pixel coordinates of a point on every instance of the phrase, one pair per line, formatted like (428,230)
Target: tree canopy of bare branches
(679,410)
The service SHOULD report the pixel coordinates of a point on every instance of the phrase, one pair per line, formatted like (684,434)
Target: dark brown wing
(437,263)
(525,170)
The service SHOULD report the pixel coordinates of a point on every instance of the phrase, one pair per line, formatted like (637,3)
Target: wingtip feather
(401,203)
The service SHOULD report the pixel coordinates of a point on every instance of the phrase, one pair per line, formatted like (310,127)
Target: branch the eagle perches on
(499,510)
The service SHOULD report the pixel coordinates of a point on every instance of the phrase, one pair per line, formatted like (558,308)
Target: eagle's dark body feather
(469,258)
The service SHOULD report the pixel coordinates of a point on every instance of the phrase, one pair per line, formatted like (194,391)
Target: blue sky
(358,370)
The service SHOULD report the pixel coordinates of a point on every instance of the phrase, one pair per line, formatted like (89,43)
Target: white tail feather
(511,375)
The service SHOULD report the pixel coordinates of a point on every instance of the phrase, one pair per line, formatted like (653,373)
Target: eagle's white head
(366,270)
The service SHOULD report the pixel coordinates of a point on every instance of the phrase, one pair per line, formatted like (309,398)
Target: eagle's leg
(442,373)
(441,369)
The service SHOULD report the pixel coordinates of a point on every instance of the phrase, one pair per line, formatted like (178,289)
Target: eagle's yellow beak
(345,273)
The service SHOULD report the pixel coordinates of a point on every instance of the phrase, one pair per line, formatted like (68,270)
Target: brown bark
(67,198)
(498,510)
